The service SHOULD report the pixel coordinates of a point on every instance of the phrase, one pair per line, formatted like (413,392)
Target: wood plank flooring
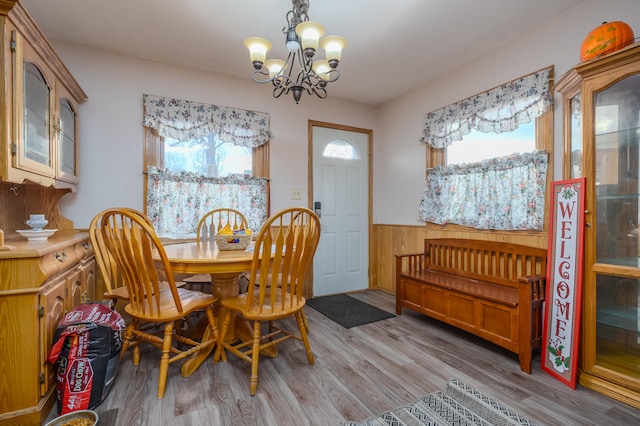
(359,373)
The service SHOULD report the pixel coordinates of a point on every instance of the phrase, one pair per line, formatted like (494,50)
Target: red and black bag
(86,349)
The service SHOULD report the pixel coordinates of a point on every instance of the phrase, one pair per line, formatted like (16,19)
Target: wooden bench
(494,290)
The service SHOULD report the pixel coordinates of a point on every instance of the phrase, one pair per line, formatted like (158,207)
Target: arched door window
(341,149)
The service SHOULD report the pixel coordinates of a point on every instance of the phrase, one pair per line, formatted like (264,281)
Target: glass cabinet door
(37,148)
(67,144)
(616,155)
(575,137)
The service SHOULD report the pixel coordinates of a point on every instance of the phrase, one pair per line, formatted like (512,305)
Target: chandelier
(302,40)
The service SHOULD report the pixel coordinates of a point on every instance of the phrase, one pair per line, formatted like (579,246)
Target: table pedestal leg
(191,364)
(224,286)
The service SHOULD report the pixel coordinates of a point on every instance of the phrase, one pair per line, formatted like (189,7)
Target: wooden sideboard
(39,283)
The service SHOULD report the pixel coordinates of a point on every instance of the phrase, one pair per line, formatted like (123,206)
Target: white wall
(399,161)
(111,134)
(111,131)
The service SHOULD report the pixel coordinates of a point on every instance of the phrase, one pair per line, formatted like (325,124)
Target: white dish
(80,414)
(33,235)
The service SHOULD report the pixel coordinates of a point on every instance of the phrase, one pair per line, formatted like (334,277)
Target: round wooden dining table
(225,268)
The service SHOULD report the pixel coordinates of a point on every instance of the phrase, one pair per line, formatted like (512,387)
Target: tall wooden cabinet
(39,281)
(601,103)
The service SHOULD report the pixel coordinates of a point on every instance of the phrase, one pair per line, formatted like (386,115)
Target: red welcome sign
(563,299)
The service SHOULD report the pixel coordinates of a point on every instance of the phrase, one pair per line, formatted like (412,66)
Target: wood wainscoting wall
(389,240)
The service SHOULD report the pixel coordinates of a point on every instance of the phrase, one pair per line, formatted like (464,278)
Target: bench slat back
(498,262)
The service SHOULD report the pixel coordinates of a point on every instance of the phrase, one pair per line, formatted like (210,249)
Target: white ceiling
(393,45)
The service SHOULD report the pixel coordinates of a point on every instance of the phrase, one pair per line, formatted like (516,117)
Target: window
(340,149)
(199,157)
(488,155)
(478,146)
(208,156)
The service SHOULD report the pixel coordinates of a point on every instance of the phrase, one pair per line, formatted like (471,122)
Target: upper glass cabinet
(40,123)
(616,127)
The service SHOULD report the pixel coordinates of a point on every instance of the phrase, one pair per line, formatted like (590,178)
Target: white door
(341,190)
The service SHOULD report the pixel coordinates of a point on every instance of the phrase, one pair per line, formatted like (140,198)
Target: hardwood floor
(359,373)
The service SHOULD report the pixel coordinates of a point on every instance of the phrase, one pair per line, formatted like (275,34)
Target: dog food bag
(86,349)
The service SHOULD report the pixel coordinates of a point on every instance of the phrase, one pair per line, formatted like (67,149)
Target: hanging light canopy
(303,37)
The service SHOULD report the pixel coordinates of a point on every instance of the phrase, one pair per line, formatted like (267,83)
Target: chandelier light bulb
(276,67)
(322,69)
(309,33)
(333,46)
(258,48)
(293,43)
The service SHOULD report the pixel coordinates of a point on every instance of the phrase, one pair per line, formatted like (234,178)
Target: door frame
(308,293)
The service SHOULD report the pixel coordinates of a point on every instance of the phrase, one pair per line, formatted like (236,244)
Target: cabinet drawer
(62,259)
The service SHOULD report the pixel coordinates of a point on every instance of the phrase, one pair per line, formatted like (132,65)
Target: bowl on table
(34,235)
(76,418)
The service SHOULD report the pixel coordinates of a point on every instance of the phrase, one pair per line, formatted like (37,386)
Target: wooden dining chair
(282,260)
(139,255)
(209,225)
(215,220)
(114,287)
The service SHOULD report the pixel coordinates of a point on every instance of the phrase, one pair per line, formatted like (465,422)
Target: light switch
(296,194)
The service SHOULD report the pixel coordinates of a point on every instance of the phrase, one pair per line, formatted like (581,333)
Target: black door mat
(348,311)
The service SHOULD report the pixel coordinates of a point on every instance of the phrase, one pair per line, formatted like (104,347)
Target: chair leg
(136,354)
(255,358)
(164,359)
(305,339)
(128,336)
(304,320)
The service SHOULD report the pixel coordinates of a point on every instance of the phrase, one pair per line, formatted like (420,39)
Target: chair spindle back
(131,243)
(214,220)
(283,257)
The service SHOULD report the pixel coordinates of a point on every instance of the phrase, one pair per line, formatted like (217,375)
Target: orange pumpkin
(607,38)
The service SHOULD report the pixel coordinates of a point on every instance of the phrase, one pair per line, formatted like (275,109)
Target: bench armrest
(536,286)
(410,262)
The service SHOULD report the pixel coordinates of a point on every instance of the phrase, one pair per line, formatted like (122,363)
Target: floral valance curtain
(502,193)
(182,120)
(501,109)
(177,201)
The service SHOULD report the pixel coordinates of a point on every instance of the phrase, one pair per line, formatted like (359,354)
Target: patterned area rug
(459,405)
(347,311)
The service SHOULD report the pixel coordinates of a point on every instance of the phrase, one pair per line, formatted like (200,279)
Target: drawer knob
(61,257)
